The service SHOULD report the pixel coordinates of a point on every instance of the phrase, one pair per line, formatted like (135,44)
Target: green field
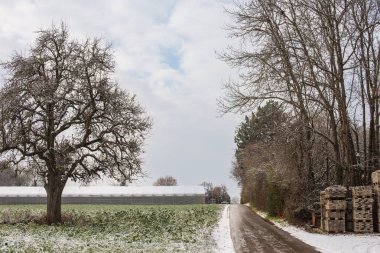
(109,228)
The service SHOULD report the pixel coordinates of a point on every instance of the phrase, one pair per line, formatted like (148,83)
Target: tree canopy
(260,126)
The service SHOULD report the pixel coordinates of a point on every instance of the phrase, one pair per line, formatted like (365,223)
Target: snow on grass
(222,234)
(102,228)
(332,243)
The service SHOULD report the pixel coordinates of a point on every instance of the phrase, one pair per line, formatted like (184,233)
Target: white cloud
(150,38)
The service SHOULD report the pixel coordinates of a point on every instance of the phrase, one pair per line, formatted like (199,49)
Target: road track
(251,233)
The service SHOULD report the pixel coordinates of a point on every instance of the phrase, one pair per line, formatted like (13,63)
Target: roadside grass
(266,216)
(109,228)
(281,222)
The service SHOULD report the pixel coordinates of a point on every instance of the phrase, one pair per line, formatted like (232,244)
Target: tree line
(216,194)
(310,72)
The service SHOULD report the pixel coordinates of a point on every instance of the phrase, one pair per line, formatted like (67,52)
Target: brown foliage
(166,181)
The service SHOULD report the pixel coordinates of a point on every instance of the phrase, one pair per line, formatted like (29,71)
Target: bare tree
(366,18)
(62,115)
(166,181)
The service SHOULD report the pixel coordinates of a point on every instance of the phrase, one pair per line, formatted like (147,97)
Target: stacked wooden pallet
(376,189)
(333,207)
(362,209)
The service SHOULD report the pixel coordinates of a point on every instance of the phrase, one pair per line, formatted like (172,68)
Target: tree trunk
(54,189)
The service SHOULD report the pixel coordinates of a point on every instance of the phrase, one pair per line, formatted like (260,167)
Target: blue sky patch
(172,57)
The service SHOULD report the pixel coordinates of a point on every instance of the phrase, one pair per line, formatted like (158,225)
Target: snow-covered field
(188,228)
(333,243)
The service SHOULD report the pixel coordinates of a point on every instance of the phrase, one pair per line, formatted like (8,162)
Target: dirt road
(250,233)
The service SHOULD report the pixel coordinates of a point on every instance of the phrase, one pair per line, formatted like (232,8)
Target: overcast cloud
(165,53)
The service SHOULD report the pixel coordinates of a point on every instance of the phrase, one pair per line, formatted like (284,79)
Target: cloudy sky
(166,54)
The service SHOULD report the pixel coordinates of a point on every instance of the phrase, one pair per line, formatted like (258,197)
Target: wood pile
(356,210)
(362,209)
(333,207)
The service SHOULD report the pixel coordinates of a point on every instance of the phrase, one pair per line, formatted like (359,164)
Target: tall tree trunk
(339,169)
(364,124)
(377,129)
(54,189)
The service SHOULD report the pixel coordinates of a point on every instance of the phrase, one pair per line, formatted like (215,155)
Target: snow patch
(333,243)
(328,243)
(222,233)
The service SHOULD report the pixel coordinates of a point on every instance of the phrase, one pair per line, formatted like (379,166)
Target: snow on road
(335,243)
(222,234)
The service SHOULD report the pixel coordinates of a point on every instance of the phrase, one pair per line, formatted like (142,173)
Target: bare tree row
(319,59)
